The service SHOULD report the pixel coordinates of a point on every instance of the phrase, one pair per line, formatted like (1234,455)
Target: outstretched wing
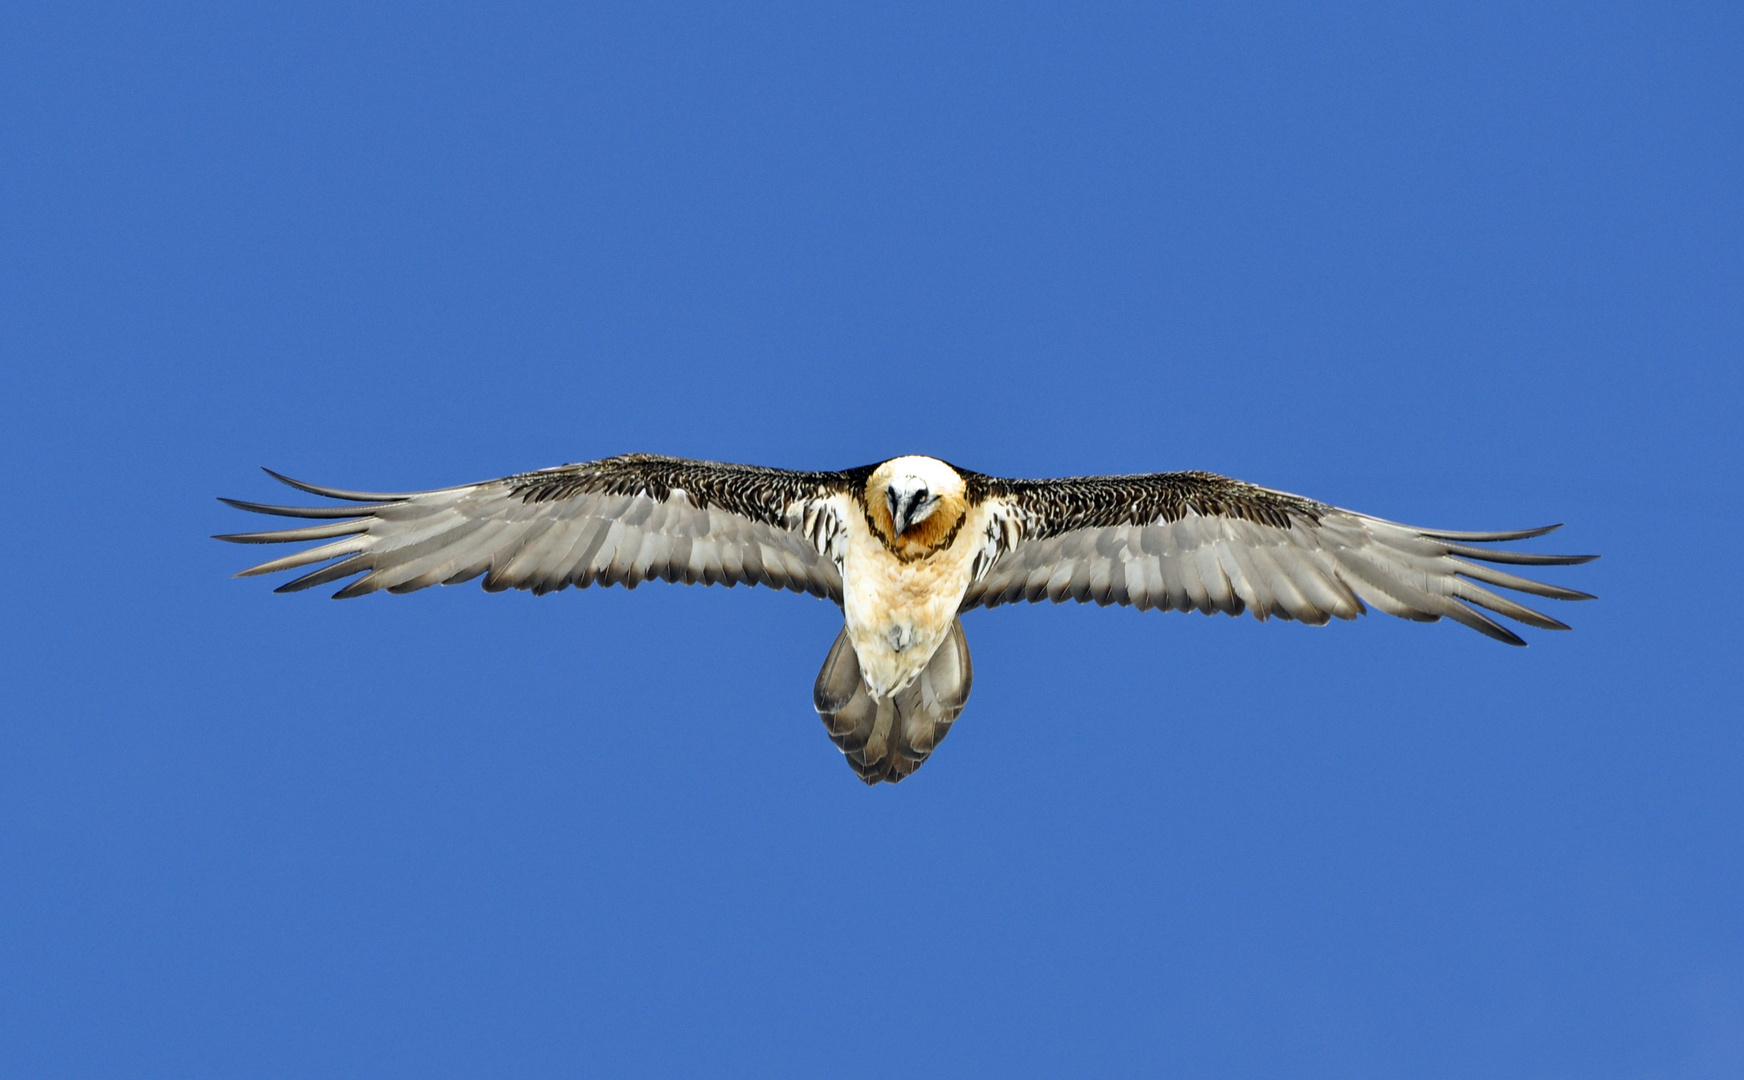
(1196,540)
(617,521)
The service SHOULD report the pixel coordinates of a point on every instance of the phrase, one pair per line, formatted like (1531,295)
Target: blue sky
(1476,267)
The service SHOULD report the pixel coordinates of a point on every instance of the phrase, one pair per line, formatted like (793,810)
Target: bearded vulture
(905,547)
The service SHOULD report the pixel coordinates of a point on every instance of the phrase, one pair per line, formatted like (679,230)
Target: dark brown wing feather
(1089,502)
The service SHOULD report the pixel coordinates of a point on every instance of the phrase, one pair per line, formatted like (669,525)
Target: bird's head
(922,496)
(911,501)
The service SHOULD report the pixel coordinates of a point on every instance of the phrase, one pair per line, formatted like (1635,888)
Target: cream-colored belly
(899,613)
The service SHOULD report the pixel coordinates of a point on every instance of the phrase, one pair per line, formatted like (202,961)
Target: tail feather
(886,739)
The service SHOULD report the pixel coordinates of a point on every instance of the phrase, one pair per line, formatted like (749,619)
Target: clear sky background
(1476,267)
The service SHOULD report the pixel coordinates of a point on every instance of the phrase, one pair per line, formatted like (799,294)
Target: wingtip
(336,493)
(286,480)
(1500,536)
(241,504)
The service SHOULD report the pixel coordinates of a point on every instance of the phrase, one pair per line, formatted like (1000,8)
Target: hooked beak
(898,511)
(905,507)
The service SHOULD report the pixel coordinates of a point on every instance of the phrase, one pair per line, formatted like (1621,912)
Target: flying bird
(905,547)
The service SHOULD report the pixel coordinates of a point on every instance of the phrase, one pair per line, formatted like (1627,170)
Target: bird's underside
(904,547)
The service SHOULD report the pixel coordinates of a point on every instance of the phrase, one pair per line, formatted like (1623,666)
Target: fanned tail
(888,738)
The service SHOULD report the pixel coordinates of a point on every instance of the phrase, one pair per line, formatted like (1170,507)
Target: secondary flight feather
(904,547)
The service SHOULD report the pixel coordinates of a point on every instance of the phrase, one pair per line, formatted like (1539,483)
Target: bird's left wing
(1196,540)
(617,521)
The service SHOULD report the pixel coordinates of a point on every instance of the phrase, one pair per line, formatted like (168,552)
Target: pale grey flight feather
(1311,572)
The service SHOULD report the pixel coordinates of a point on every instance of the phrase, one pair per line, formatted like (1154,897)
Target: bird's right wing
(617,521)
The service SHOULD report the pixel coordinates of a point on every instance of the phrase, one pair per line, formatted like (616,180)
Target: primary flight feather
(904,547)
